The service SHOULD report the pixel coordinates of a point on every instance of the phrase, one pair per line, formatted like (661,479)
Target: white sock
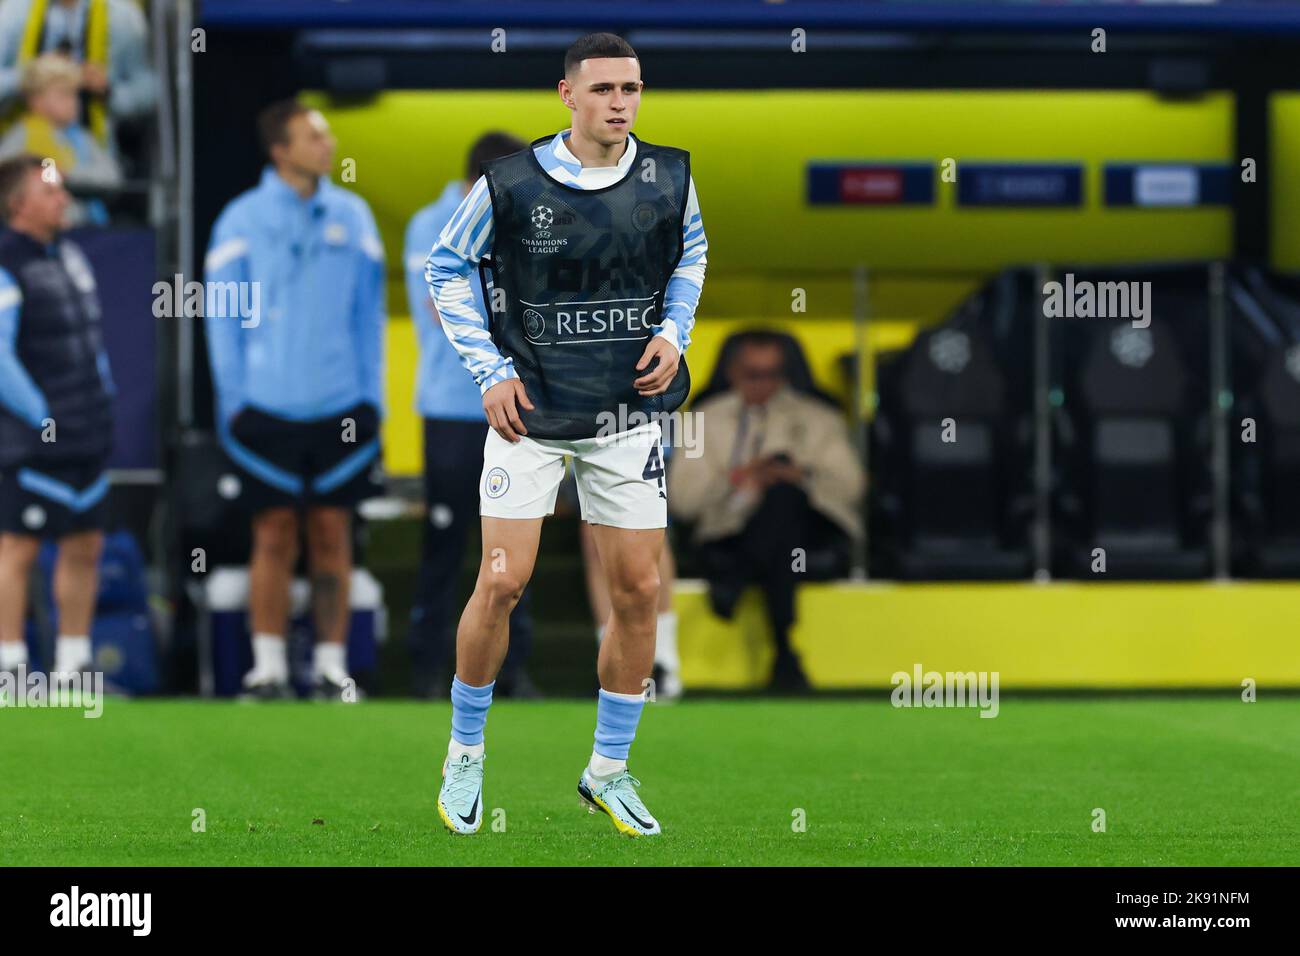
(456,748)
(602,769)
(270,656)
(329,660)
(666,642)
(71,654)
(13,655)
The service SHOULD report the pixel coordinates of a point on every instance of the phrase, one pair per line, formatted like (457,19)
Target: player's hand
(502,402)
(657,382)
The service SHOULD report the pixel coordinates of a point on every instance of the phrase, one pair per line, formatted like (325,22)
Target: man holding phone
(786,483)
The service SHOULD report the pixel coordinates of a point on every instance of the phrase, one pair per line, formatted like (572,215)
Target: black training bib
(575,285)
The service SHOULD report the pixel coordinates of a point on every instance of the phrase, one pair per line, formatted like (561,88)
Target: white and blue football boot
(460,800)
(619,800)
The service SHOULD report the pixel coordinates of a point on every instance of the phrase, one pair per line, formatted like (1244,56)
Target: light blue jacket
(444,389)
(313,271)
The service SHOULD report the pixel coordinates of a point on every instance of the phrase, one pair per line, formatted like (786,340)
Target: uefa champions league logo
(543,217)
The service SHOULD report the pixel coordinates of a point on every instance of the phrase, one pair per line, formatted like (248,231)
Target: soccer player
(452,409)
(594,258)
(299,386)
(56,419)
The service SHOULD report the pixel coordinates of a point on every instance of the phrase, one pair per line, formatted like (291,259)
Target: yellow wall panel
(1061,635)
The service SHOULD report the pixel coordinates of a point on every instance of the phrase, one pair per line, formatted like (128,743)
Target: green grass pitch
(1181,780)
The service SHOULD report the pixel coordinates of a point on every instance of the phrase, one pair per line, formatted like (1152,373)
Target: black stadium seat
(949,441)
(1266,387)
(1131,435)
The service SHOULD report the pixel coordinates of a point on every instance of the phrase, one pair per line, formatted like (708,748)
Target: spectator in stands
(49,129)
(776,488)
(105,39)
(455,427)
(56,419)
(299,384)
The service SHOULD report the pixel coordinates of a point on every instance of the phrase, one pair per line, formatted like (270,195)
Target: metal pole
(862,406)
(1220,400)
(1042,530)
(185,210)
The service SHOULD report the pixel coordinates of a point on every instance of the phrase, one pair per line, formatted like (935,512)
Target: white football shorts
(620,477)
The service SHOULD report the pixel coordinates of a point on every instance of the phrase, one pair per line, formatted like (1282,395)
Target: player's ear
(566,93)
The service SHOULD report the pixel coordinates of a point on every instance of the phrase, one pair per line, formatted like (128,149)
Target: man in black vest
(592,254)
(56,421)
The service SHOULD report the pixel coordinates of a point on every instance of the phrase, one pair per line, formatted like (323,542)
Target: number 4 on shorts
(654,470)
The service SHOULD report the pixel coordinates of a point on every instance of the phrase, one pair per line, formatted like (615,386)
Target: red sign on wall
(871,185)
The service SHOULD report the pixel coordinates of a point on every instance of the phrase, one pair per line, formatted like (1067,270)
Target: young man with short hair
(299,387)
(596,258)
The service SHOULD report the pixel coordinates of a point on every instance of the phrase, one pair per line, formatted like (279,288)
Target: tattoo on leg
(325,592)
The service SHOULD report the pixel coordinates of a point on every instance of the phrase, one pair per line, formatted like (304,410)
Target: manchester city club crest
(644,216)
(496,483)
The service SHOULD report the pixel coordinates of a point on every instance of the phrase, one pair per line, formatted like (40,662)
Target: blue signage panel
(1019,184)
(1167,185)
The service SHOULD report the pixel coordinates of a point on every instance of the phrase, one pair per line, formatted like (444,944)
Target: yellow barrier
(1058,635)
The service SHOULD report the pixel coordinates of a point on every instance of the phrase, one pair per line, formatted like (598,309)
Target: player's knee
(632,592)
(275,536)
(502,589)
(328,536)
(82,549)
(18,552)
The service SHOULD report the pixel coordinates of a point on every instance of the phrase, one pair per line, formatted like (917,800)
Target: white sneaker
(332,683)
(265,685)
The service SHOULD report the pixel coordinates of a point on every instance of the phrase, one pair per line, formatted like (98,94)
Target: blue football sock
(616,719)
(469,707)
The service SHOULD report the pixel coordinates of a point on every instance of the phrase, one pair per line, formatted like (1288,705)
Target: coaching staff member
(56,419)
(298,386)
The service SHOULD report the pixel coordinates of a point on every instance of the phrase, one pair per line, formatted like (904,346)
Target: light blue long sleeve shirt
(444,389)
(313,272)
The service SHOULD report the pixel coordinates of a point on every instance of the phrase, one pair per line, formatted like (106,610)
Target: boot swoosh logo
(635,818)
(473,811)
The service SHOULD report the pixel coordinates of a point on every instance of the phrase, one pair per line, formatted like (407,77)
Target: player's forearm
(681,298)
(372,317)
(227,364)
(19,393)
(464,325)
(682,294)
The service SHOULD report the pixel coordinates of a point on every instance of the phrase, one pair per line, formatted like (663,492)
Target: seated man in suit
(776,483)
